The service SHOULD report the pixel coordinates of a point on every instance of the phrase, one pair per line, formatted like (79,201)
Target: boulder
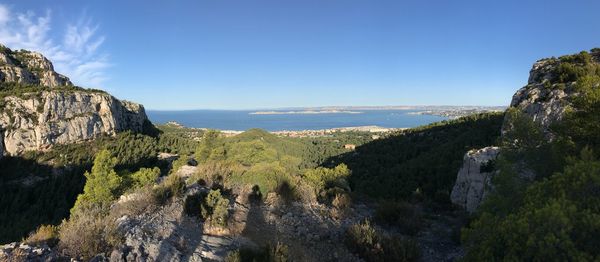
(473,180)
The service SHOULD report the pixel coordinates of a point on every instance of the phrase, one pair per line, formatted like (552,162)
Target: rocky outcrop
(38,121)
(474,178)
(165,234)
(538,99)
(545,99)
(26,67)
(61,114)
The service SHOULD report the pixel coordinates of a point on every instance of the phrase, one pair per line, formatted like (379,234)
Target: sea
(243,119)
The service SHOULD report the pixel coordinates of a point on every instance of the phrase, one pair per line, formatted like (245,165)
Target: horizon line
(366,107)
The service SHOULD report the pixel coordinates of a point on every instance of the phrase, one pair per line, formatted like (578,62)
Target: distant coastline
(304,112)
(311,118)
(293,133)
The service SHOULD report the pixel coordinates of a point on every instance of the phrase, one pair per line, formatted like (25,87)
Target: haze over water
(243,120)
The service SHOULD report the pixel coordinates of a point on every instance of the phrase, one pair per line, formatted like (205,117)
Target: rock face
(543,104)
(473,178)
(545,100)
(26,67)
(56,117)
(60,114)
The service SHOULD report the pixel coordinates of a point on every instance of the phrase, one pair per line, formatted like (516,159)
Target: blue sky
(226,54)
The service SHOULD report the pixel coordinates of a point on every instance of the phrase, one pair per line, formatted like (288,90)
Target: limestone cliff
(545,99)
(26,67)
(57,113)
(474,178)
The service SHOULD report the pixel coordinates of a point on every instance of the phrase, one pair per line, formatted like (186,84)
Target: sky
(241,54)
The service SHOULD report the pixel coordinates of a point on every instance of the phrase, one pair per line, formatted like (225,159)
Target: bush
(342,202)
(275,253)
(405,216)
(267,176)
(88,233)
(45,234)
(140,201)
(145,176)
(214,208)
(215,173)
(177,164)
(209,142)
(371,245)
(322,178)
(173,186)
(286,192)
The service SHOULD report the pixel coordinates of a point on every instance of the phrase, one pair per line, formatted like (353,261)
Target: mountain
(40,107)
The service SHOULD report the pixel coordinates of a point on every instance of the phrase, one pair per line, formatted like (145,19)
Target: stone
(544,102)
(39,120)
(54,117)
(26,67)
(472,183)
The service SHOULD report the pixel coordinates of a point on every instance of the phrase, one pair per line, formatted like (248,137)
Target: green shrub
(214,208)
(145,176)
(172,186)
(267,176)
(177,164)
(403,215)
(209,142)
(102,183)
(322,178)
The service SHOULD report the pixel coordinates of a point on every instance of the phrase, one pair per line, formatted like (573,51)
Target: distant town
(454,112)
(451,112)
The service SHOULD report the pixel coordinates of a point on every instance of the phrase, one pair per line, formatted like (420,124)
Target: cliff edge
(40,108)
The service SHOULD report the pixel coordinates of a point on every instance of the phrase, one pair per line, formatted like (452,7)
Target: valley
(87,177)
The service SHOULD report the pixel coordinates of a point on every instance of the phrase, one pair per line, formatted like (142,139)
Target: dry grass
(88,233)
(141,201)
(341,203)
(45,234)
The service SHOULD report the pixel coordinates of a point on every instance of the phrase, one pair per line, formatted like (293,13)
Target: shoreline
(304,132)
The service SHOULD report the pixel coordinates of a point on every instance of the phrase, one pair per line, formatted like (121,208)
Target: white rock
(472,185)
(57,117)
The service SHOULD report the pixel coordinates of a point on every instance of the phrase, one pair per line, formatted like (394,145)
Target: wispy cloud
(76,54)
